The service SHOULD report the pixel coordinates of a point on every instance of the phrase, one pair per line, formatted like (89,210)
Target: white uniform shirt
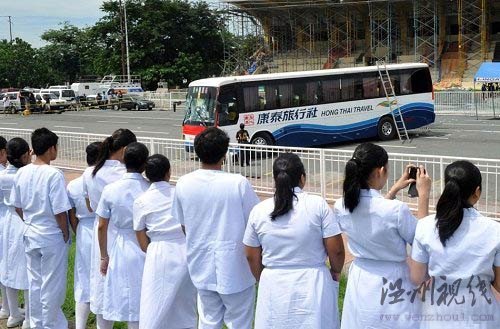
(472,250)
(118,198)
(153,212)
(6,182)
(214,207)
(77,199)
(378,228)
(110,172)
(296,238)
(2,205)
(40,191)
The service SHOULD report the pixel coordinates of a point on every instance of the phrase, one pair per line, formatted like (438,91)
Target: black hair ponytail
(462,178)
(120,138)
(366,157)
(287,172)
(16,148)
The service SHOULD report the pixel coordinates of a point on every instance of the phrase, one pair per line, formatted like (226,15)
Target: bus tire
(386,129)
(262,139)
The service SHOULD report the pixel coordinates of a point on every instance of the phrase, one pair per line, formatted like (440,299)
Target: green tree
(21,65)
(163,35)
(64,51)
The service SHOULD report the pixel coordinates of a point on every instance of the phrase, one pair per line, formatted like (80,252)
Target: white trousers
(47,268)
(235,310)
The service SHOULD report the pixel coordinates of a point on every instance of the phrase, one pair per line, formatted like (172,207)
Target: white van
(63,94)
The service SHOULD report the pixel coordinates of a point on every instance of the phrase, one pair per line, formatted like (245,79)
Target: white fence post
(322,172)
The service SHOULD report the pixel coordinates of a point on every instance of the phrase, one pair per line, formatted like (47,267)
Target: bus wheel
(386,129)
(262,139)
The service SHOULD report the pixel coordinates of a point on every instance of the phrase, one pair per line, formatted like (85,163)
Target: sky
(30,18)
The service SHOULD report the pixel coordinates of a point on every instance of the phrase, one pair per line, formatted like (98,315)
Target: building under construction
(452,36)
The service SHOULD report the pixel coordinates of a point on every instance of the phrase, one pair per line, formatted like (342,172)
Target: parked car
(129,102)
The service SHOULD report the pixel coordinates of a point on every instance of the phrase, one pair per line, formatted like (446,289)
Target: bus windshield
(200,106)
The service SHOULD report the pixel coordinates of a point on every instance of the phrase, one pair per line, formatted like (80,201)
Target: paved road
(450,135)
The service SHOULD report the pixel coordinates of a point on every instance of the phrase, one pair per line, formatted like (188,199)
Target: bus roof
(220,81)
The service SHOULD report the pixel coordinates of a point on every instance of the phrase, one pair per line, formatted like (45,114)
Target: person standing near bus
(13,270)
(213,208)
(82,221)
(288,239)
(39,195)
(458,249)
(108,169)
(243,137)
(4,311)
(122,260)
(166,285)
(378,231)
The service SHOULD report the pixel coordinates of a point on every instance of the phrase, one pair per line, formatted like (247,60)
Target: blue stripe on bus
(416,115)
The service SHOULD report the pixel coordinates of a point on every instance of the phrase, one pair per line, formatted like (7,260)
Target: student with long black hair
(108,169)
(459,248)
(166,285)
(378,230)
(13,269)
(288,239)
(82,222)
(122,260)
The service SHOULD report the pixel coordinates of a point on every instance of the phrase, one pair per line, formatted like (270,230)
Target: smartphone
(412,191)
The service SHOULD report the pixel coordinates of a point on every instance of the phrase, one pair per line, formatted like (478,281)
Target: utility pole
(10,26)
(126,39)
(122,33)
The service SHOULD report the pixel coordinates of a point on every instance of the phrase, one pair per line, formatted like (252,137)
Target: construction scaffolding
(306,35)
(426,24)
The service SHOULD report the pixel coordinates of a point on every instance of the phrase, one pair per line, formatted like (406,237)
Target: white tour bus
(310,108)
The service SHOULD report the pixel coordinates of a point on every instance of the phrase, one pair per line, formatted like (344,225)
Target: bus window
(371,86)
(330,90)
(228,107)
(347,89)
(405,77)
(305,93)
(421,81)
(285,95)
(251,97)
(200,103)
(271,97)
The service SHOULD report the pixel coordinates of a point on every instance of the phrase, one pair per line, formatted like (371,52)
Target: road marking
(8,123)
(152,132)
(481,131)
(465,124)
(177,125)
(112,122)
(434,137)
(70,127)
(398,146)
(122,117)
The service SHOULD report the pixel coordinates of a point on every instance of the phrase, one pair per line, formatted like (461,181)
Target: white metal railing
(166,100)
(324,167)
(469,103)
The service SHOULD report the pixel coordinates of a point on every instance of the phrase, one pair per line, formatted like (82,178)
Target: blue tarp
(488,72)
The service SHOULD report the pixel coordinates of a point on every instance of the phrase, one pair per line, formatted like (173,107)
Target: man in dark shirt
(243,137)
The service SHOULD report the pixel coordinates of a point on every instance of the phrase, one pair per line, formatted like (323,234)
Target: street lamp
(126,39)
(123,6)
